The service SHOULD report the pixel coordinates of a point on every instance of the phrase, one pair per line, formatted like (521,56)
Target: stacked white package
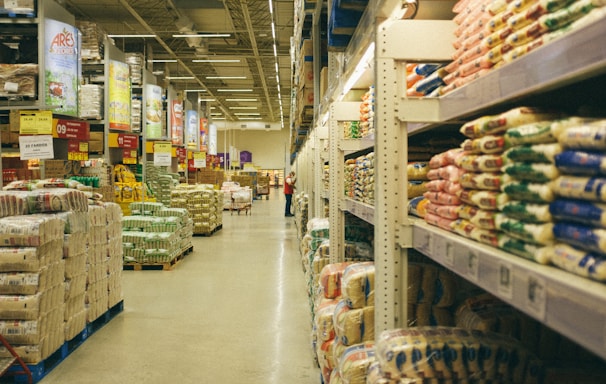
(32,285)
(114,253)
(77,228)
(90,98)
(97,297)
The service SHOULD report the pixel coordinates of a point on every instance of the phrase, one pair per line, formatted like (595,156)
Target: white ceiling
(247,21)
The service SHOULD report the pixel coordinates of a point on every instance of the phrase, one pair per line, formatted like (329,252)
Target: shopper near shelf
(289,187)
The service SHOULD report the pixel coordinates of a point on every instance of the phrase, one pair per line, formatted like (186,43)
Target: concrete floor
(233,311)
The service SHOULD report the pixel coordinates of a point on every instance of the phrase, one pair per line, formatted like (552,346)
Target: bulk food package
(60,264)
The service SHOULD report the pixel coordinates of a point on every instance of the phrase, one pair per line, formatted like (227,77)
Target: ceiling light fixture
(215,61)
(244,100)
(131,35)
(204,35)
(162,61)
(226,77)
(179,77)
(233,90)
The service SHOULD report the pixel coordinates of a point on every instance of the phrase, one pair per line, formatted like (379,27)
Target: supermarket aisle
(234,311)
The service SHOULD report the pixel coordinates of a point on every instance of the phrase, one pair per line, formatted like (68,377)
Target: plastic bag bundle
(454,353)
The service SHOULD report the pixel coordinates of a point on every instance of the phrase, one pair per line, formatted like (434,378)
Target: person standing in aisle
(289,187)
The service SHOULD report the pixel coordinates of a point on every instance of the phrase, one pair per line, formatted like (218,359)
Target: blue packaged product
(580,162)
(583,212)
(581,236)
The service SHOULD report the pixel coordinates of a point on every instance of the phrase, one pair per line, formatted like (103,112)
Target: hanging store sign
(176,122)
(129,156)
(119,96)
(36,147)
(77,150)
(35,122)
(162,153)
(68,129)
(61,67)
(200,160)
(123,140)
(192,133)
(153,112)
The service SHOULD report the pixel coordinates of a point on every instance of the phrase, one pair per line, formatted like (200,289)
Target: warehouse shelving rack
(554,297)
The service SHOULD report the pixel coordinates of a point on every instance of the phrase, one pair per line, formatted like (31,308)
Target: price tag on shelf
(472,266)
(505,284)
(449,251)
(536,297)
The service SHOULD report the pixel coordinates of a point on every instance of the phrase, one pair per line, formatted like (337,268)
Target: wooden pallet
(160,266)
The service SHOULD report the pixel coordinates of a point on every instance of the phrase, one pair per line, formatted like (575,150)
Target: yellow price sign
(163,147)
(36,122)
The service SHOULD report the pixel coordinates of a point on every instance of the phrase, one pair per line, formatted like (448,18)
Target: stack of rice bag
(579,209)
(367,113)
(491,33)
(344,320)
(431,293)
(511,179)
(434,354)
(443,189)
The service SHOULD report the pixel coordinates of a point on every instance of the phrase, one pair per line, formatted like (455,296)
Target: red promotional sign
(181,155)
(69,129)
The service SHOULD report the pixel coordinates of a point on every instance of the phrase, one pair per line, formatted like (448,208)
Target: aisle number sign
(77,150)
(200,160)
(35,122)
(36,147)
(69,129)
(123,140)
(162,153)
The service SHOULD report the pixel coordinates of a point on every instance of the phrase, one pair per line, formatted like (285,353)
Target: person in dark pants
(289,187)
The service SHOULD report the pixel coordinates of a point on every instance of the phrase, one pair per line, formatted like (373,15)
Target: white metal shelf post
(390,195)
(336,186)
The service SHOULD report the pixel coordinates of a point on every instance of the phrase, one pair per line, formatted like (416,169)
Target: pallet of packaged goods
(156,237)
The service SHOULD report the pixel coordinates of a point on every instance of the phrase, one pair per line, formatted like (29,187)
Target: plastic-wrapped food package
(579,211)
(541,234)
(581,236)
(536,153)
(583,188)
(417,353)
(323,320)
(469,230)
(539,253)
(417,171)
(532,172)
(358,285)
(354,326)
(354,363)
(30,230)
(481,218)
(330,279)
(496,124)
(484,180)
(444,211)
(530,192)
(527,212)
(579,262)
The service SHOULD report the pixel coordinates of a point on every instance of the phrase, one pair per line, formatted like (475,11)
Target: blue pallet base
(40,370)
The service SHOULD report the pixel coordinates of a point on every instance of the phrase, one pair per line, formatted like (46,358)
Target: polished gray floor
(233,311)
